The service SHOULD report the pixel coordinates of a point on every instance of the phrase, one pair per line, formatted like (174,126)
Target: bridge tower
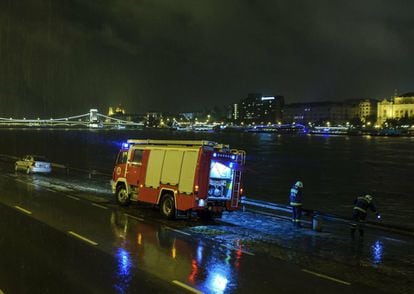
(93,115)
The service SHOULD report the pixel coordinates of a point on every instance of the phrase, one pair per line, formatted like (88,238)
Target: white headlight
(201,203)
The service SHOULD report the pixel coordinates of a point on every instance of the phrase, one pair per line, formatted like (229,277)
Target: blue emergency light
(125,145)
(225,156)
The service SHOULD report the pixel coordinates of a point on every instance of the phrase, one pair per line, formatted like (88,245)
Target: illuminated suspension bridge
(92,119)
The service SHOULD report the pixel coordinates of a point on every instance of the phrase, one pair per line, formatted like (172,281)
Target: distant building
(321,112)
(135,117)
(235,114)
(259,109)
(349,111)
(398,108)
(154,119)
(368,110)
(352,111)
(119,110)
(189,116)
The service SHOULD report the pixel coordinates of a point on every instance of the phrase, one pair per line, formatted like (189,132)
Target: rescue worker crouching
(361,206)
(296,203)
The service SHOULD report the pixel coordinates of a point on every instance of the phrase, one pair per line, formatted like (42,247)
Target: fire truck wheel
(167,206)
(122,196)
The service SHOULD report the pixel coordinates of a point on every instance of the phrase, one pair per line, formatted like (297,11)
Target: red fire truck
(179,176)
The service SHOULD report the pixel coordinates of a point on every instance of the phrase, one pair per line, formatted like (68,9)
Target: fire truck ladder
(241,159)
(236,189)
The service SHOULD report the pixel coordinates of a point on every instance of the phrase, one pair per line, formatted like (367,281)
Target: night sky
(62,57)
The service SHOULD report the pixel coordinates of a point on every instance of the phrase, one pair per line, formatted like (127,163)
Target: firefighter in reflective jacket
(296,202)
(361,206)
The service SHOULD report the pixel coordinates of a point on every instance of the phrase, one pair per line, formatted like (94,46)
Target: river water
(334,169)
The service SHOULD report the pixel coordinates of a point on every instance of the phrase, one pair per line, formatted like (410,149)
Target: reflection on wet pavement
(123,275)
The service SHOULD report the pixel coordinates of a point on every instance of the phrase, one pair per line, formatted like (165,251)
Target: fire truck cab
(180,176)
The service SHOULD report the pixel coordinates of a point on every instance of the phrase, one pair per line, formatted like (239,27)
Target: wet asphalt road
(57,242)
(39,259)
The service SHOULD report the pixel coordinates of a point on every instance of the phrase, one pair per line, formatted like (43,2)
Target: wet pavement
(38,259)
(383,261)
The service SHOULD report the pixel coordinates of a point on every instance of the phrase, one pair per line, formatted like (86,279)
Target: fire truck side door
(134,167)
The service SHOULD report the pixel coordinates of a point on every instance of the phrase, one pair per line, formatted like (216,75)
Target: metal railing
(319,216)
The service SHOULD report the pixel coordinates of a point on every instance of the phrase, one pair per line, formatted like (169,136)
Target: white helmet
(368,197)
(299,184)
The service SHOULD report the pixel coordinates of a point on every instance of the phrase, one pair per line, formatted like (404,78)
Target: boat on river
(338,130)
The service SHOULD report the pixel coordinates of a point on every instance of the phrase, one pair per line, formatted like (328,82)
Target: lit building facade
(235,114)
(400,107)
(260,109)
(368,110)
(119,110)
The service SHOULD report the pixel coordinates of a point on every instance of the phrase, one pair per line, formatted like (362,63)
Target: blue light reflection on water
(218,278)
(123,271)
(377,252)
(200,249)
(219,275)
(218,282)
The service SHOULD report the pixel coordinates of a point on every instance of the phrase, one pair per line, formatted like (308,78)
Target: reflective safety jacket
(362,204)
(295,196)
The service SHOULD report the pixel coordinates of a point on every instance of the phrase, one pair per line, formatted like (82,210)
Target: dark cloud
(63,57)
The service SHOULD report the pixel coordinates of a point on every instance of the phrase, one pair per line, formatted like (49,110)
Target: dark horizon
(60,57)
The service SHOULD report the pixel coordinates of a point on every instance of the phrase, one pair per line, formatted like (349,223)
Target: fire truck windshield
(122,157)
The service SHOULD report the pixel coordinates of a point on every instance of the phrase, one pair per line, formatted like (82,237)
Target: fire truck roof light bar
(177,142)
